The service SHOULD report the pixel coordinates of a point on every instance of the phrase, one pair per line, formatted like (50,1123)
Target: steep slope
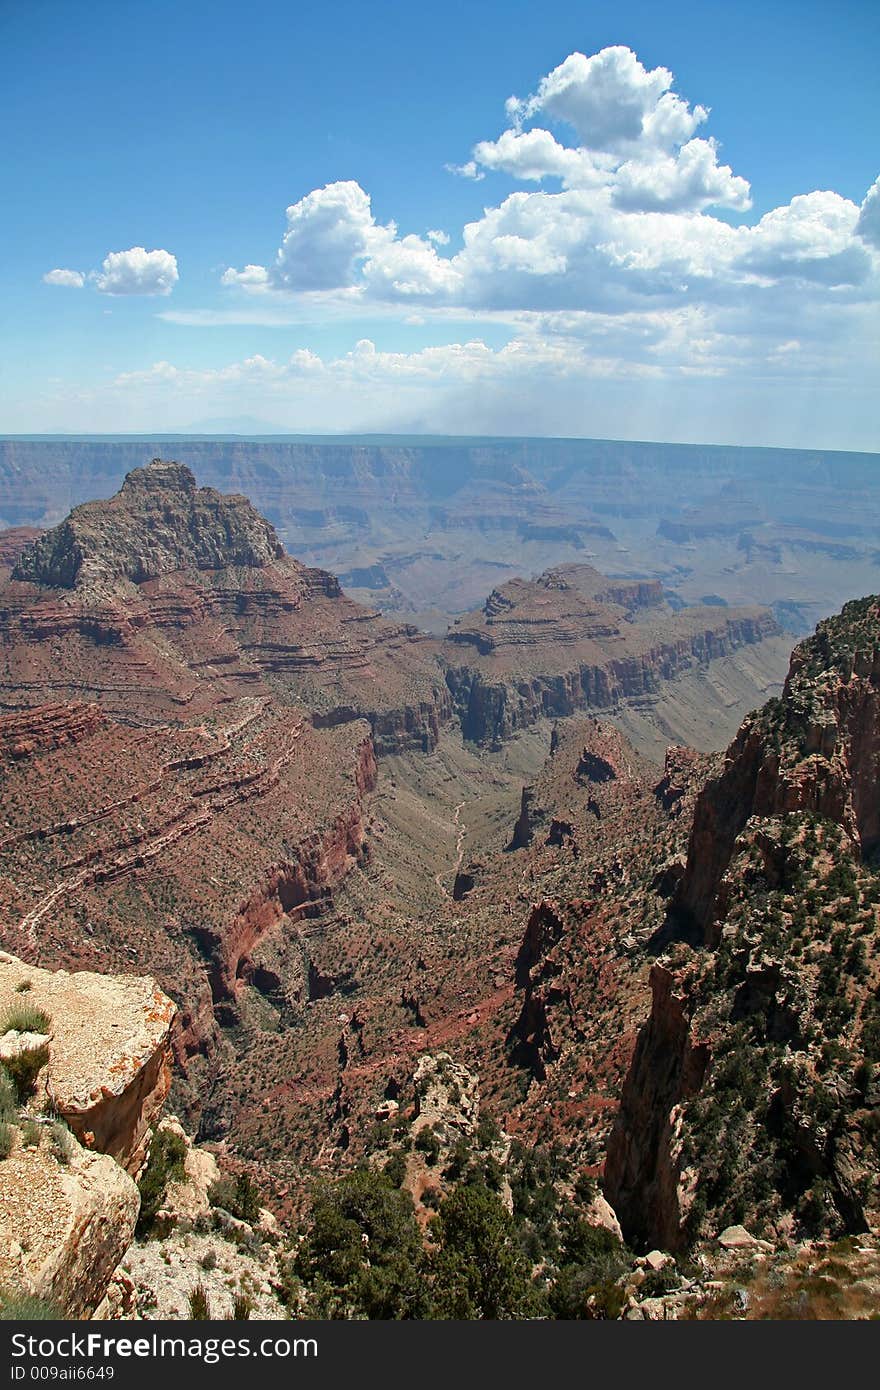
(815,749)
(530,968)
(189,753)
(752,1093)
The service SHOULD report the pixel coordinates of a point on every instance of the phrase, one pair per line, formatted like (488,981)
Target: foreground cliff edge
(79,1101)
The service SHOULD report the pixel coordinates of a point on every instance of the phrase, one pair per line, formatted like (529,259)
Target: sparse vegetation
(17,1306)
(199,1305)
(24,1068)
(7,1096)
(240,1196)
(62,1142)
(165,1164)
(242,1307)
(31,1134)
(25,1018)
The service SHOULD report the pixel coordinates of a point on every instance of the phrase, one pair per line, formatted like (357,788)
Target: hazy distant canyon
(425,528)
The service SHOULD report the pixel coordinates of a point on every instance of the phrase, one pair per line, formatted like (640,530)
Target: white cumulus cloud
(329,234)
(620,260)
(253,277)
(137,271)
(69,279)
(690,180)
(334,243)
(635,138)
(612,102)
(868,225)
(813,238)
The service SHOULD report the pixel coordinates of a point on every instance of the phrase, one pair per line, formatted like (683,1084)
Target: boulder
(64,1225)
(657,1260)
(187,1198)
(737,1238)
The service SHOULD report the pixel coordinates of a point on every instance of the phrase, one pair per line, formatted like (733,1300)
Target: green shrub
(31,1134)
(25,1018)
(239,1196)
(478,1270)
(458,1162)
(164,1165)
(488,1132)
(362,1254)
(17,1306)
(7,1096)
(24,1069)
(6,1135)
(426,1142)
(395,1169)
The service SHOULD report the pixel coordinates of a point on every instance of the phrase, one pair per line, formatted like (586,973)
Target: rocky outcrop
(186,1198)
(816,749)
(13,541)
(750,1096)
(522,827)
(568,642)
(447,1095)
(531,1040)
(68,1207)
(46,727)
(64,1226)
(157,523)
(169,598)
(644,1181)
(286,890)
(109,1067)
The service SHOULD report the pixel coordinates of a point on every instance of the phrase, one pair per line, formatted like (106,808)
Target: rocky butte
(171,597)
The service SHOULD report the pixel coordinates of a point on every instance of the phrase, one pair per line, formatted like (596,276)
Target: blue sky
(332,218)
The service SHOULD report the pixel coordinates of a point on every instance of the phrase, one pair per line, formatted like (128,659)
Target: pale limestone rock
(737,1238)
(446,1093)
(14,1044)
(187,1198)
(601,1213)
(657,1260)
(109,1064)
(267,1224)
(64,1227)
